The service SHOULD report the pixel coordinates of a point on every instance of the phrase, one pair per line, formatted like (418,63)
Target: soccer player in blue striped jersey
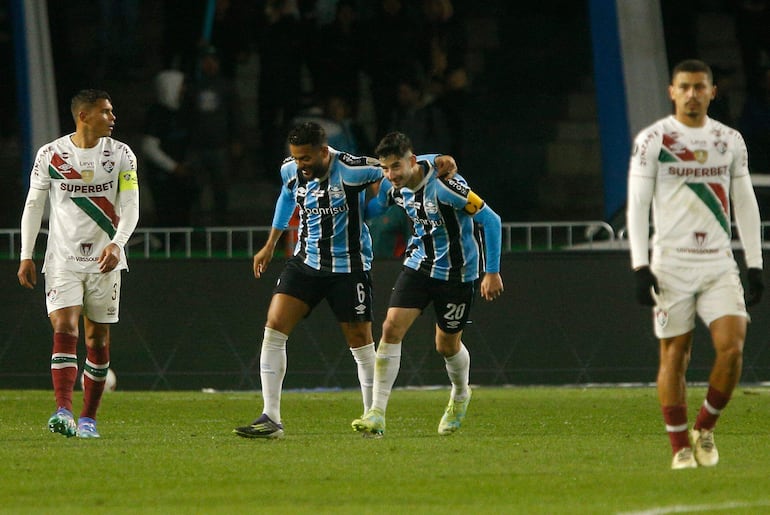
(442,265)
(332,260)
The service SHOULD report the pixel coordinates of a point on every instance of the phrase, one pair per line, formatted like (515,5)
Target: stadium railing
(244,241)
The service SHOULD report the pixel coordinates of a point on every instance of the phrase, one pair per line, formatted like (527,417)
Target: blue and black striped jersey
(332,234)
(443,244)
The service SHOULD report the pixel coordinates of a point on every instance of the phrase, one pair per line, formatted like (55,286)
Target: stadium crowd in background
(214,114)
(310,50)
(165,146)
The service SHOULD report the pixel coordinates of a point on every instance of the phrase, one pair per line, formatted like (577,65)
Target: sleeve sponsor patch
(128,181)
(456,186)
(351,160)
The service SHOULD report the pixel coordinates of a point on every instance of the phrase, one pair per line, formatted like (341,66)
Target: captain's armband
(474,204)
(128,181)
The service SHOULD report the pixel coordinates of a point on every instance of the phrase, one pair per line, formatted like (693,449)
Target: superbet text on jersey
(83,187)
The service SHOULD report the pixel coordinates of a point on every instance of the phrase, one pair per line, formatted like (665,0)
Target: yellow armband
(475,203)
(128,181)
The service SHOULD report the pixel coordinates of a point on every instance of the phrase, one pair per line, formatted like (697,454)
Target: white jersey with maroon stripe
(691,170)
(83,186)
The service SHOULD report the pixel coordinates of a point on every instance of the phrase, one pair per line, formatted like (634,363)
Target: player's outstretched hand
(756,286)
(27,273)
(491,286)
(646,282)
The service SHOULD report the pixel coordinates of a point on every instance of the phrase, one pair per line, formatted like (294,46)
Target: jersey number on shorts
(455,311)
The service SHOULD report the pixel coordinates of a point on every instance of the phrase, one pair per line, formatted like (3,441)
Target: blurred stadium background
(557,89)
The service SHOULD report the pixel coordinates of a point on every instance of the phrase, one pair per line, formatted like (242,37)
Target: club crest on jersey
(336,192)
(86,248)
(108,166)
(700,155)
(430,207)
(52,294)
(677,147)
(721,146)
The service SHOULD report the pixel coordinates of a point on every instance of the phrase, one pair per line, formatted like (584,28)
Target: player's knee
(732,351)
(447,344)
(392,331)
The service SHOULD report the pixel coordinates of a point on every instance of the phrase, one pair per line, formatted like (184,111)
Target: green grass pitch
(521,450)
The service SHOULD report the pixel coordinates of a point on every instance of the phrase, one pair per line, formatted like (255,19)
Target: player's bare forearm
(27,274)
(491,286)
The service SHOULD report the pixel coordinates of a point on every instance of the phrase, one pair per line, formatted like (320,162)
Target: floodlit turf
(521,450)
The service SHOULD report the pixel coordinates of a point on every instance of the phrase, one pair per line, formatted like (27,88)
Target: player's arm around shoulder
(378,204)
(446,166)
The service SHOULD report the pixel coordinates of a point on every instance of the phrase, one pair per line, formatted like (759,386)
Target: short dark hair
(87,97)
(308,133)
(394,144)
(693,66)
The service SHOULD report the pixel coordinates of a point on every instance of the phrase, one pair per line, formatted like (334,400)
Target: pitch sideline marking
(663,510)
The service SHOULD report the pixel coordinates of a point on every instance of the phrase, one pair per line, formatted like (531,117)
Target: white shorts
(711,292)
(98,294)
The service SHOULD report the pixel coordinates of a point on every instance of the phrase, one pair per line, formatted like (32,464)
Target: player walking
(90,180)
(691,169)
(331,261)
(442,264)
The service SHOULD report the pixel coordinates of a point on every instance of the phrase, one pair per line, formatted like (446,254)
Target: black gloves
(646,280)
(756,286)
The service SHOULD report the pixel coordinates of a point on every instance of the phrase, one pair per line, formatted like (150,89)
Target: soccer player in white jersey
(91,183)
(693,172)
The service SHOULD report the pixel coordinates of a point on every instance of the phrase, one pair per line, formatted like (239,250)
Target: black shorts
(348,294)
(451,300)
